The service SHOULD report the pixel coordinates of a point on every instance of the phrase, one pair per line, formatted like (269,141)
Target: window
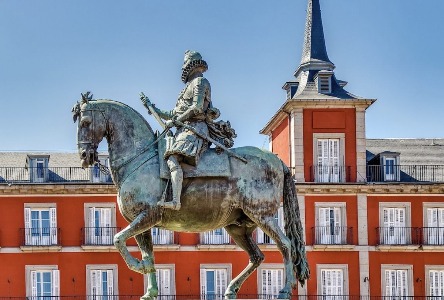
(214,281)
(165,281)
(262,237)
(435,282)
(40,225)
(97,175)
(332,281)
(100,221)
(394,223)
(328,158)
(324,84)
(215,237)
(162,236)
(397,280)
(433,231)
(330,224)
(101,281)
(271,280)
(38,167)
(391,169)
(42,281)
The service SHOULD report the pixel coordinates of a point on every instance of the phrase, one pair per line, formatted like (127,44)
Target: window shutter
(440,217)
(281,222)
(55,283)
(110,282)
(90,233)
(220,281)
(53,224)
(389,276)
(27,226)
(93,283)
(33,283)
(164,276)
(432,217)
(203,282)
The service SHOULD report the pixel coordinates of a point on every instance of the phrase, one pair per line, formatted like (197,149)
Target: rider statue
(193,108)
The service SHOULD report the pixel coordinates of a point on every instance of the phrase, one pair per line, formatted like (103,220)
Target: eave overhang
(291,105)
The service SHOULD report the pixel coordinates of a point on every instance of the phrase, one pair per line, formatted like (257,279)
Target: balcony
(328,235)
(162,236)
(99,236)
(398,236)
(405,173)
(330,174)
(11,175)
(45,238)
(432,236)
(218,237)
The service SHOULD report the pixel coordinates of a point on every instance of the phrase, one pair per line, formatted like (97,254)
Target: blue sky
(51,51)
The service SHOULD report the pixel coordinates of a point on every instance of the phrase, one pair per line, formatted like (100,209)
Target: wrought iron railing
(43,236)
(398,235)
(332,235)
(219,296)
(330,174)
(98,236)
(11,175)
(215,237)
(432,236)
(405,173)
(162,236)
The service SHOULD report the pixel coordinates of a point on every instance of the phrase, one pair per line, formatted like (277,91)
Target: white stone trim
(171,267)
(429,268)
(341,205)
(87,206)
(301,202)
(362,219)
(409,269)
(268,267)
(297,141)
(341,137)
(342,267)
(425,206)
(364,273)
(406,205)
(361,146)
(112,267)
(29,268)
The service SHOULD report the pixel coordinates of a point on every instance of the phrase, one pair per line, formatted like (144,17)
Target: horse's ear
(86,97)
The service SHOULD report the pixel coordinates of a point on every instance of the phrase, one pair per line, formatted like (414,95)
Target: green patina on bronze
(248,198)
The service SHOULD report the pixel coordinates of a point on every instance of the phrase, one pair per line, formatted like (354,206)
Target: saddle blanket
(211,164)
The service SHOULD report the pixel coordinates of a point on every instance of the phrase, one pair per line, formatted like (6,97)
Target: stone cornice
(293,104)
(57,189)
(369,188)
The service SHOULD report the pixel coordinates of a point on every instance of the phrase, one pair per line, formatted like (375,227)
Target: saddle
(212,163)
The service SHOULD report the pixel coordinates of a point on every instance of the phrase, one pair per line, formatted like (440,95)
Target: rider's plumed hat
(192,60)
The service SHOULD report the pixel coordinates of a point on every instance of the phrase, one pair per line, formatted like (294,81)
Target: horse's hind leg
(242,236)
(142,223)
(269,226)
(145,242)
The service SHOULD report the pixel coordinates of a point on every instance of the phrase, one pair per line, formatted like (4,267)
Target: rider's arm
(166,115)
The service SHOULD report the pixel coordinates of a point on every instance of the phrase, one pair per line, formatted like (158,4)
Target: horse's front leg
(145,242)
(142,223)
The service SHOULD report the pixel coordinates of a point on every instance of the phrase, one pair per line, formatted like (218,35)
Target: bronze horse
(248,199)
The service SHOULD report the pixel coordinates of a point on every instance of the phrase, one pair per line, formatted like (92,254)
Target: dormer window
(385,167)
(38,167)
(291,87)
(98,175)
(323,81)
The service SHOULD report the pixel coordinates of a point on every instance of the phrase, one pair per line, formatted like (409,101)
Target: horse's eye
(85,121)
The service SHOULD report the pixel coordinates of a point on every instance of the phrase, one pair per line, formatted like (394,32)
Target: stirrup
(175,205)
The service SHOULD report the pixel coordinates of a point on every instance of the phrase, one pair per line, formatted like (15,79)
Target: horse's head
(91,128)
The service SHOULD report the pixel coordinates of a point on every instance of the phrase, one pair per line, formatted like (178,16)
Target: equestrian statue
(181,183)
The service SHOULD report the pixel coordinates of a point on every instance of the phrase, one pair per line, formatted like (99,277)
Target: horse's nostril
(83,155)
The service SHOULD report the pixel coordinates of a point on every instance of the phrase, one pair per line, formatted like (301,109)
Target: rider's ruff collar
(191,66)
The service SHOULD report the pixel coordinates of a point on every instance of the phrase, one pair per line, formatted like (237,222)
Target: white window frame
(53,233)
(215,237)
(87,219)
(266,267)
(33,161)
(262,238)
(321,77)
(342,236)
(407,206)
(341,159)
(408,268)
(55,278)
(172,269)
(162,236)
(437,233)
(101,267)
(342,267)
(203,267)
(428,268)
(104,160)
(396,168)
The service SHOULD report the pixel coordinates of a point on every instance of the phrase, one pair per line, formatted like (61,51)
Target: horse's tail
(293,228)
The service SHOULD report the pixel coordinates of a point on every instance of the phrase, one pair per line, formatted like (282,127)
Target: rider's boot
(176,183)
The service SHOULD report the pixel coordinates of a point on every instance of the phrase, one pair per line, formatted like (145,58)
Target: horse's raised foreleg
(269,226)
(145,242)
(142,223)
(242,236)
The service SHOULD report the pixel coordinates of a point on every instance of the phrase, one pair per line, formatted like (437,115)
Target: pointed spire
(314,52)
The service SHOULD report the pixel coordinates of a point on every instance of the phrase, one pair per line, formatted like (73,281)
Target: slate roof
(56,159)
(412,151)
